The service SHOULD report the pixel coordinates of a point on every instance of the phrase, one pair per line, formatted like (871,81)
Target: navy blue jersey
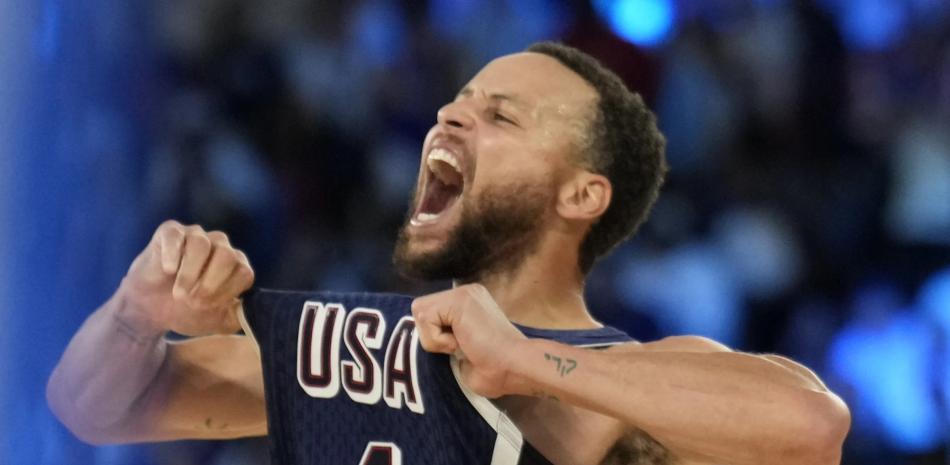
(347,383)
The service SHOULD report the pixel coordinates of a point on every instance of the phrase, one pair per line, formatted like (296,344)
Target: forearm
(736,407)
(106,370)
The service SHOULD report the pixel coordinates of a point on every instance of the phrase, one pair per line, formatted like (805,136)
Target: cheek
(504,160)
(510,175)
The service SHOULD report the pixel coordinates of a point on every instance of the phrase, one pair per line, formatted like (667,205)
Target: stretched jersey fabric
(347,383)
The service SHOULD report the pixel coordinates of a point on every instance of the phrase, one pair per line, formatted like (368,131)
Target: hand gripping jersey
(347,383)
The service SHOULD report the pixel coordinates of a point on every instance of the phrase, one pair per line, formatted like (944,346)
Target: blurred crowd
(807,211)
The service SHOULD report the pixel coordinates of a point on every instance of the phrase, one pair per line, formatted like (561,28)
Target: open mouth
(443,186)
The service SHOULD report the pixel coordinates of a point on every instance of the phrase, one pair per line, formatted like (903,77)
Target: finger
(231,316)
(445,343)
(433,299)
(219,238)
(437,340)
(171,239)
(242,259)
(230,323)
(197,249)
(240,280)
(434,337)
(438,307)
(220,266)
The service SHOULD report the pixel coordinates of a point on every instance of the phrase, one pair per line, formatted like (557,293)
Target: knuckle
(199,239)
(171,225)
(225,257)
(218,237)
(244,281)
(169,231)
(194,230)
(419,314)
(245,273)
(242,258)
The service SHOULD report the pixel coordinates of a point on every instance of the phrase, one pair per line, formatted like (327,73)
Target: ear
(585,196)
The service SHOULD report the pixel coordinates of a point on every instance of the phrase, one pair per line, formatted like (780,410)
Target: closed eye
(498,116)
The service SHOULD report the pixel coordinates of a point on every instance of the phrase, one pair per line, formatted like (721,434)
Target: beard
(495,232)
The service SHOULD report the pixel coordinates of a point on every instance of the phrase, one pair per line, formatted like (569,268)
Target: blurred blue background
(807,212)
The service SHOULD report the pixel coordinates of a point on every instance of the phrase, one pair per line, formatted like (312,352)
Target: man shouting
(542,164)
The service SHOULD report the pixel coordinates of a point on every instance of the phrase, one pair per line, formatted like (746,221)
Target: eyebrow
(513,99)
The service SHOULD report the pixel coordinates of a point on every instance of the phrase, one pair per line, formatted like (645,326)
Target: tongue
(439,196)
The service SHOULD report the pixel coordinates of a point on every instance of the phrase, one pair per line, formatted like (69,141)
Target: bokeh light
(806,212)
(648,23)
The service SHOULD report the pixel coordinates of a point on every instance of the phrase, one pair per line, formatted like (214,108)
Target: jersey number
(381,453)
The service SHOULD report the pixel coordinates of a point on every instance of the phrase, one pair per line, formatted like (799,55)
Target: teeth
(423,218)
(446,156)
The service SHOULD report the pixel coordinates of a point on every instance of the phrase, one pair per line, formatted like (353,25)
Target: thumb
(232,316)
(446,342)
(435,338)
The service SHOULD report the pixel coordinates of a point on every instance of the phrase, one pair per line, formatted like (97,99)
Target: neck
(545,290)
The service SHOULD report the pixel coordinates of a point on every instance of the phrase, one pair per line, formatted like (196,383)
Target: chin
(419,249)
(415,251)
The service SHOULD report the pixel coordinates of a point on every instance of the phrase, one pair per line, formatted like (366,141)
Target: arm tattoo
(564,365)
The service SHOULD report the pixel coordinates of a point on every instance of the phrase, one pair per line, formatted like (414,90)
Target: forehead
(535,80)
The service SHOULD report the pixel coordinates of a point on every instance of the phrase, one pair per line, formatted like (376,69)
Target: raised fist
(467,322)
(186,280)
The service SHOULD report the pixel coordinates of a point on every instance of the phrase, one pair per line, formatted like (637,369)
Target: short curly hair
(623,144)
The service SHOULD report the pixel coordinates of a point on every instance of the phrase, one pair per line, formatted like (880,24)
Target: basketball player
(542,164)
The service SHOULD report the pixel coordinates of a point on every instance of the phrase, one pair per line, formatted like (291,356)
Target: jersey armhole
(247,327)
(509,441)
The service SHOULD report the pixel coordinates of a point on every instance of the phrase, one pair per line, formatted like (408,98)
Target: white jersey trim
(510,441)
(247,328)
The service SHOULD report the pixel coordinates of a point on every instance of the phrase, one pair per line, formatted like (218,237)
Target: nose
(456,114)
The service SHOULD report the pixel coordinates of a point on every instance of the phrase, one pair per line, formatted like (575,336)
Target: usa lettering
(326,328)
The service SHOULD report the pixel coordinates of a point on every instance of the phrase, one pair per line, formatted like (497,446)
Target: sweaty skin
(682,398)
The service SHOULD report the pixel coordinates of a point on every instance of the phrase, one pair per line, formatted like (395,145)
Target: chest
(345,377)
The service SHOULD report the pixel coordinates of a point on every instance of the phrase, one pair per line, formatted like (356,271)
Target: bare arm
(697,397)
(120,381)
(703,401)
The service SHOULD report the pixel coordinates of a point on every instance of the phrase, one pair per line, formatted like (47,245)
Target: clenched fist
(467,322)
(186,280)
